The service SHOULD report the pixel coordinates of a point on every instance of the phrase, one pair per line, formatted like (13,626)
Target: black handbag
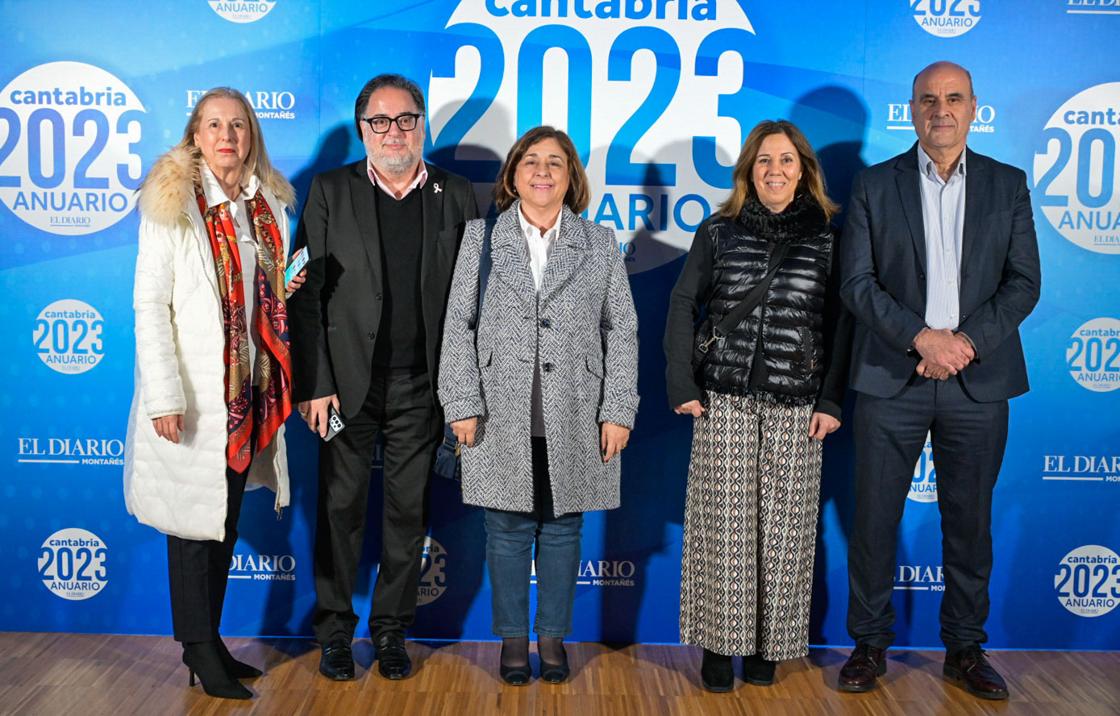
(706,336)
(447,464)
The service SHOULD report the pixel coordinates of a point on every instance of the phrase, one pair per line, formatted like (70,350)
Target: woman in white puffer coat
(213,375)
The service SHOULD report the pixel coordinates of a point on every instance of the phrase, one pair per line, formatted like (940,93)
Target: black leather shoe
(392,659)
(969,668)
(716,673)
(237,669)
(758,671)
(202,659)
(863,667)
(337,660)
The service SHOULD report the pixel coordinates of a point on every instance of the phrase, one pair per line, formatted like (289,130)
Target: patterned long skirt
(750,529)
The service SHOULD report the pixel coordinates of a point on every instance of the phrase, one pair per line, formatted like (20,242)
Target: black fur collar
(803,220)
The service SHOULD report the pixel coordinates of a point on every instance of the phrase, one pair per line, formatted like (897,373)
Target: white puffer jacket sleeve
(162,387)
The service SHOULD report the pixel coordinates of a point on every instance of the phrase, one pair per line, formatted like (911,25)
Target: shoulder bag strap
(749,302)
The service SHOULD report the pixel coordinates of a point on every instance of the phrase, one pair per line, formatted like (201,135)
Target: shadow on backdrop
(332,152)
(288,608)
(655,465)
(835,120)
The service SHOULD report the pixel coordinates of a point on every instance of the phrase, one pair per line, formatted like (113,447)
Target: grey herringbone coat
(582,330)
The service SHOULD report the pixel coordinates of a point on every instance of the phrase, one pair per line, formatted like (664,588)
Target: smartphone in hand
(334,423)
(295,265)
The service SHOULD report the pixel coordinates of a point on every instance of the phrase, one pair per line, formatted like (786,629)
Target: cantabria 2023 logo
(1076,169)
(1088,581)
(923,487)
(946,18)
(69,158)
(242,11)
(72,564)
(654,95)
(1093,355)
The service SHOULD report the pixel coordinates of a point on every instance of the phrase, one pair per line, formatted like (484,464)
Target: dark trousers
(968,443)
(399,407)
(199,570)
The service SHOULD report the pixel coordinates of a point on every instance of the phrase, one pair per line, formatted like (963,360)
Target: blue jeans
(509,543)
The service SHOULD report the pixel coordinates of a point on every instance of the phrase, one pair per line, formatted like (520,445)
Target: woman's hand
(168,427)
(465,430)
(612,439)
(295,283)
(821,424)
(692,407)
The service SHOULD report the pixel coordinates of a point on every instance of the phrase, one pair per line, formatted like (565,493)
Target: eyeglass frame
(393,120)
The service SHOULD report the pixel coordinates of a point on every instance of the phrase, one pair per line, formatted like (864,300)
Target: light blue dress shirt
(943,220)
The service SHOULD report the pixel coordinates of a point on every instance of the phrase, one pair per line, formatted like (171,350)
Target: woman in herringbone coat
(765,395)
(539,382)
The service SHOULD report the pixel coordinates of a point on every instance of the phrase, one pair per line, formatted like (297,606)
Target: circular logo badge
(1093,355)
(946,18)
(72,564)
(1076,170)
(242,12)
(1088,581)
(433,575)
(67,336)
(70,163)
(923,487)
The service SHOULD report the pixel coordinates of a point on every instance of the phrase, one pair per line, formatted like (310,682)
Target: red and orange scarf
(253,416)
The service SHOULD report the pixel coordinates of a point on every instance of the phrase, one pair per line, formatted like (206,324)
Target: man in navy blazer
(940,266)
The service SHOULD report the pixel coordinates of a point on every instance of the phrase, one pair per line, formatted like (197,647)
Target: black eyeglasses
(405,122)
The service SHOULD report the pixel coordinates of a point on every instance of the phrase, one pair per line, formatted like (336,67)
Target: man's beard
(394,163)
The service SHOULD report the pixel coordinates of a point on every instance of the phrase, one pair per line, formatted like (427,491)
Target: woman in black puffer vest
(764,395)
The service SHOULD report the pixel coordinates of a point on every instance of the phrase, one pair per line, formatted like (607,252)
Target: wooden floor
(45,674)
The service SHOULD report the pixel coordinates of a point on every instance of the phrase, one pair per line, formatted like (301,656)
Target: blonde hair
(257,162)
(812,178)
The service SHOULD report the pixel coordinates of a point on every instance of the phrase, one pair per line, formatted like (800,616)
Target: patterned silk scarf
(254,416)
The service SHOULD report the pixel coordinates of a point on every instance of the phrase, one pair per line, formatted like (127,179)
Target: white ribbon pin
(436,187)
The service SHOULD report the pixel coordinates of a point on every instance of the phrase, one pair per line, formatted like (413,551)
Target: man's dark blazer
(883,269)
(335,316)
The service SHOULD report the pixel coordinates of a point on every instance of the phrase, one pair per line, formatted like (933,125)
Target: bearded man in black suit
(382,236)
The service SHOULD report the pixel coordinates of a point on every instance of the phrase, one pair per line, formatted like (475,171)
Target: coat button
(545,323)
(371,335)
(547,367)
(377,297)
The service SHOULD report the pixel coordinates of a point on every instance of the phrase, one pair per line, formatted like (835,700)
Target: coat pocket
(594,367)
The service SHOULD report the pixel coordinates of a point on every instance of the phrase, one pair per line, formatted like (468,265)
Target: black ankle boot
(236,669)
(758,671)
(204,659)
(716,673)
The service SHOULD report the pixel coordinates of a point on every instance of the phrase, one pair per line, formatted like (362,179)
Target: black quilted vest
(777,351)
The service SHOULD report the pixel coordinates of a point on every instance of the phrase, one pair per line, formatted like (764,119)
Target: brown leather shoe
(862,668)
(969,668)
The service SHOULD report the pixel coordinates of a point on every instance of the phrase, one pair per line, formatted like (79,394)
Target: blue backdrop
(658,96)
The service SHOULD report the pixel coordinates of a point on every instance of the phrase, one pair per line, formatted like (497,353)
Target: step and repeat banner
(658,96)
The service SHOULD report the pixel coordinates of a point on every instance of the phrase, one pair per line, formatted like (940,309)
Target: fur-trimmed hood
(169,186)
